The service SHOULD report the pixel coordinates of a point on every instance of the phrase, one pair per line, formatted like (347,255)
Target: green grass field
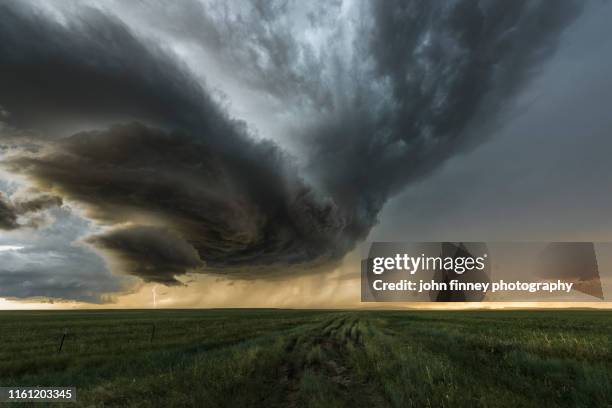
(283,358)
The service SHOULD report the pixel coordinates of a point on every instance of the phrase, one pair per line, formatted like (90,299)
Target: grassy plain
(285,358)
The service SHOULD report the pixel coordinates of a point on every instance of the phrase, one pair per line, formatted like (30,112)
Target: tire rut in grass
(323,353)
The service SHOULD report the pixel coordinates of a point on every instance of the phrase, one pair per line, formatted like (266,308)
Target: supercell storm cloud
(125,129)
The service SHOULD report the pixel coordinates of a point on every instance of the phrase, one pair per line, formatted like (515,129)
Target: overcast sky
(241,153)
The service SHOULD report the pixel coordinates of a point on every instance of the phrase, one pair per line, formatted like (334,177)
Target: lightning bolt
(154,296)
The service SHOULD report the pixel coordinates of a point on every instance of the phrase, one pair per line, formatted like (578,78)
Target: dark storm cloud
(255,40)
(36,203)
(155,254)
(546,169)
(42,280)
(92,69)
(11,210)
(442,71)
(252,211)
(430,70)
(8,215)
(53,264)
(237,201)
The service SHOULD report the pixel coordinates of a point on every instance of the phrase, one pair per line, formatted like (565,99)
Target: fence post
(62,341)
